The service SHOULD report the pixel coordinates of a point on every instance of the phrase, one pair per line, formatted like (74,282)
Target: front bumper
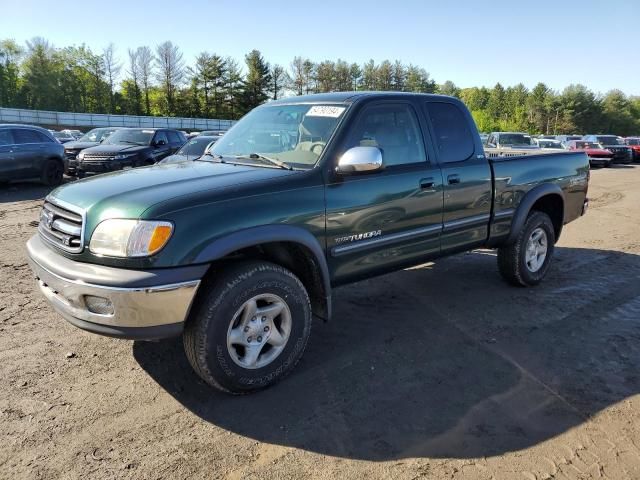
(148,311)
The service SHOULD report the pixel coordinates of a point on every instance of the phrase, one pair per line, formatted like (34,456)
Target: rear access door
(466,176)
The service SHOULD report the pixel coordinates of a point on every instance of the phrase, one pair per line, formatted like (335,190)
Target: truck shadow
(443,360)
(23,191)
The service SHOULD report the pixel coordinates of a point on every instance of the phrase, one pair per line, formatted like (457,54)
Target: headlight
(130,238)
(122,156)
(81,156)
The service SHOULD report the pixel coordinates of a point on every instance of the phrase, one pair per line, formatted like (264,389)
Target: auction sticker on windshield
(325,111)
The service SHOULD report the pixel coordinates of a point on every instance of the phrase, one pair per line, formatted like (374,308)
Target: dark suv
(30,152)
(90,139)
(621,152)
(129,148)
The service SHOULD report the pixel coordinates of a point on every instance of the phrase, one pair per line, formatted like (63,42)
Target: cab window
(394,129)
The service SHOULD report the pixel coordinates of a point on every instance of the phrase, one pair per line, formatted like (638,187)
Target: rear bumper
(147,312)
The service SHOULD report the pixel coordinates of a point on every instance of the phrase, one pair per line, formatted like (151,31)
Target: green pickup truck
(239,250)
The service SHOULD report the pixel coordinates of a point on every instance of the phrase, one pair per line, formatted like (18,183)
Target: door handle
(427,183)
(453,179)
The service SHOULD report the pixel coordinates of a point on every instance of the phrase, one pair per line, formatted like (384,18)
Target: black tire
(218,302)
(512,261)
(52,173)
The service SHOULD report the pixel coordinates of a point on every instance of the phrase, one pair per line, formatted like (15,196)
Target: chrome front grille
(62,226)
(97,158)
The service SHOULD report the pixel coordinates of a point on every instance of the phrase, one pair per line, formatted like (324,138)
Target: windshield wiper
(273,161)
(129,142)
(215,156)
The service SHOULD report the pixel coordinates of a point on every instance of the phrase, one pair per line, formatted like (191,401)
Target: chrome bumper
(134,312)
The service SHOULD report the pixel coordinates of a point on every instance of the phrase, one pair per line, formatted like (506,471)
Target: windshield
(587,145)
(608,140)
(195,146)
(295,134)
(61,135)
(633,141)
(515,139)
(97,134)
(133,136)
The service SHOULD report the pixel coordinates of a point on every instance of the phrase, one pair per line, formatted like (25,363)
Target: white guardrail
(69,119)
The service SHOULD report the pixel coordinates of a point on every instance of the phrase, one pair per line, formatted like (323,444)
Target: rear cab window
(454,140)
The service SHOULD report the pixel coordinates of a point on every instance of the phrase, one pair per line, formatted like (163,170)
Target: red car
(598,156)
(634,143)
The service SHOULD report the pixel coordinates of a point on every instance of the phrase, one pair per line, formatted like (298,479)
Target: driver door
(383,220)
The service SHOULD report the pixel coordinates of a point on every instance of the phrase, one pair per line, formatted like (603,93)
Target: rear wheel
(52,172)
(249,327)
(526,261)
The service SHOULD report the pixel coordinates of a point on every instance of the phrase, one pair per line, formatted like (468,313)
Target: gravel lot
(441,371)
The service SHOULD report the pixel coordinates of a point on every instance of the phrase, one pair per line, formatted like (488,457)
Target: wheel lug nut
(253,319)
(259,339)
(264,319)
(266,329)
(246,329)
(249,339)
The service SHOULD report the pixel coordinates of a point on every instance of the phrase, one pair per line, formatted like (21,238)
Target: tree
(112,69)
(449,88)
(145,61)
(255,87)
(10,54)
(297,75)
(170,73)
(131,89)
(279,80)
(369,75)
(618,114)
(325,76)
(355,72)
(232,81)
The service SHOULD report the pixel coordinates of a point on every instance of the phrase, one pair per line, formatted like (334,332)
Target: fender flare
(531,197)
(220,247)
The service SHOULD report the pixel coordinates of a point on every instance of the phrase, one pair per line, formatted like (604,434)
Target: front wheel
(526,261)
(248,328)
(52,173)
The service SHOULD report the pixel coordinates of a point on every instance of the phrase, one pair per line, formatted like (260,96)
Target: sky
(472,43)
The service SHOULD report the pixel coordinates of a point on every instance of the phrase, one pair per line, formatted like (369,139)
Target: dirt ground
(441,371)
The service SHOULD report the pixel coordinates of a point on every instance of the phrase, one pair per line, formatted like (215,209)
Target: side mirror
(360,160)
(160,143)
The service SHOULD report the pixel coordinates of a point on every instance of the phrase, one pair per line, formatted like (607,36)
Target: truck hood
(128,193)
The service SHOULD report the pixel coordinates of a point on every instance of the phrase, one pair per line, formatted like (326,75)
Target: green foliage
(158,82)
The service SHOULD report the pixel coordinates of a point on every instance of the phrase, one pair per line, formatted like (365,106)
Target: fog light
(99,305)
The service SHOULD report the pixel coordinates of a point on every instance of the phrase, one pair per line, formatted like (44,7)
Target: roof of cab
(349,97)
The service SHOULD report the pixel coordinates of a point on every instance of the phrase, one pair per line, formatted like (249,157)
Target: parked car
(510,140)
(621,152)
(74,133)
(634,143)
(237,253)
(193,149)
(484,137)
(90,139)
(190,135)
(565,139)
(598,156)
(212,133)
(30,152)
(547,137)
(129,148)
(62,137)
(548,144)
